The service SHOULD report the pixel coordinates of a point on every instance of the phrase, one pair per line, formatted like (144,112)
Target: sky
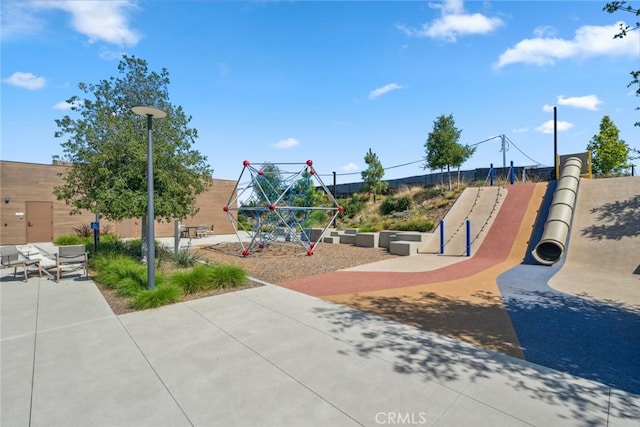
(291,81)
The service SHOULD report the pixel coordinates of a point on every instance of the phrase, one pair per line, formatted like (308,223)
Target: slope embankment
(478,205)
(603,255)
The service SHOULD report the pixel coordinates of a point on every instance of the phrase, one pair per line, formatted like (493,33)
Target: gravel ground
(279,262)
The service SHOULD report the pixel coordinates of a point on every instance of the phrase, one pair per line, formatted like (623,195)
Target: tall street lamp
(150,113)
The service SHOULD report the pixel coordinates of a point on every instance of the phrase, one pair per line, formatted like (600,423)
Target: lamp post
(150,113)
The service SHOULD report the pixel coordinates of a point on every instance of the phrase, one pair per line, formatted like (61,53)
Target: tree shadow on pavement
(459,365)
(620,218)
(483,321)
(587,338)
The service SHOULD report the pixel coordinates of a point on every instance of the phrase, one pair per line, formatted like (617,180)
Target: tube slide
(552,244)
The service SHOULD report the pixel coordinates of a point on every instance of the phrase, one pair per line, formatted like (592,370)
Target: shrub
(69,240)
(133,282)
(107,228)
(442,203)
(83,230)
(198,279)
(450,195)
(185,259)
(395,204)
(113,268)
(421,225)
(163,294)
(228,276)
(351,206)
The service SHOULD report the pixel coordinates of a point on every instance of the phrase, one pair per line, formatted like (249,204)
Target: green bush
(199,279)
(113,268)
(228,276)
(134,282)
(352,206)
(185,259)
(421,225)
(395,204)
(163,294)
(70,240)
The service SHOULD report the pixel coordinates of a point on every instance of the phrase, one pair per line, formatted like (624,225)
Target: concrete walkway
(265,356)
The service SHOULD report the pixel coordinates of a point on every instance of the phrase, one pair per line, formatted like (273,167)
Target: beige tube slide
(552,244)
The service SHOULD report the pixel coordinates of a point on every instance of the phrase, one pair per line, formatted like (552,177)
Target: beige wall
(27,182)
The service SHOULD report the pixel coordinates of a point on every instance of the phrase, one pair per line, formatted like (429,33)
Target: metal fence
(481,175)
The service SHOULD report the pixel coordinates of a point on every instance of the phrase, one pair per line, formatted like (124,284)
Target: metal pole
(491,173)
(442,236)
(151,239)
(335,218)
(511,174)
(96,234)
(504,152)
(555,141)
(176,236)
(468,237)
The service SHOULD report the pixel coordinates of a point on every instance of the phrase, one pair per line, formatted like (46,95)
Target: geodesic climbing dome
(280,202)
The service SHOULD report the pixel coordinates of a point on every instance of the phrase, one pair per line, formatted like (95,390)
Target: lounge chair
(31,252)
(11,257)
(70,259)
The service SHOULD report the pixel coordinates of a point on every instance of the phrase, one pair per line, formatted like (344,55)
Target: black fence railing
(528,173)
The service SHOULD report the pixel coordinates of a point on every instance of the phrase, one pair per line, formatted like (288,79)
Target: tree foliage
(615,6)
(106,145)
(372,182)
(609,153)
(269,184)
(442,147)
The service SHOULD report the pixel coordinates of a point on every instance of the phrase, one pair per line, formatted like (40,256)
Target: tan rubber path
(461,301)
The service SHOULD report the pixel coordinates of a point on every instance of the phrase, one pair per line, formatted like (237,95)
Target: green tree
(461,154)
(269,184)
(609,153)
(442,147)
(106,145)
(372,182)
(616,6)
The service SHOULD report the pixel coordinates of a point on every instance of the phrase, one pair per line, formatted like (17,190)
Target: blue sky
(288,81)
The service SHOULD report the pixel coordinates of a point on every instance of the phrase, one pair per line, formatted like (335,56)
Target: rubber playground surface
(580,316)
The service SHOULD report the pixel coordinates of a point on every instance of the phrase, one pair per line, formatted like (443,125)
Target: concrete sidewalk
(264,356)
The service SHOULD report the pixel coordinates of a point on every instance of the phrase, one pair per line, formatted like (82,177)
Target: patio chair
(32,252)
(70,259)
(201,231)
(10,257)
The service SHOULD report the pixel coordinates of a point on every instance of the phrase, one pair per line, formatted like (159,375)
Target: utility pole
(504,152)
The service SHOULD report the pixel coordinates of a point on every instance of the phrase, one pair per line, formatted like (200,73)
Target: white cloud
(547,127)
(286,143)
(547,108)
(384,89)
(18,19)
(588,41)
(110,55)
(64,105)
(453,23)
(544,31)
(588,102)
(26,80)
(350,167)
(106,21)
